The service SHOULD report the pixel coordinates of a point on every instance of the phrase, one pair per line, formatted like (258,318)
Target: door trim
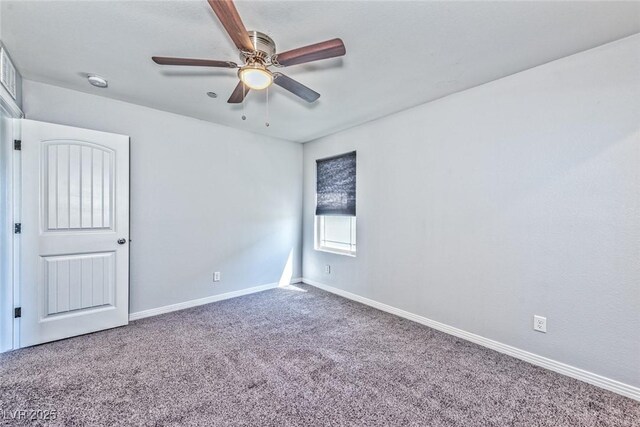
(11,173)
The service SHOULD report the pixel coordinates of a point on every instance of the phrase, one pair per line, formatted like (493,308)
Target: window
(336,234)
(335,223)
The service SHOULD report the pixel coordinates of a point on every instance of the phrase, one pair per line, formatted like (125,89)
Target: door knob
(122,241)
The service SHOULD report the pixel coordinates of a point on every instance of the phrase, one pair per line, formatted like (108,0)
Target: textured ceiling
(399,54)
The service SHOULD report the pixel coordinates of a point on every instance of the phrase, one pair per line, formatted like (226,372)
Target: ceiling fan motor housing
(263,45)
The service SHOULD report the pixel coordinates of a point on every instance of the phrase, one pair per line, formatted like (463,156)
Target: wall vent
(7,72)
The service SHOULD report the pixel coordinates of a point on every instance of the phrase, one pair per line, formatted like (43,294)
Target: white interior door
(75,232)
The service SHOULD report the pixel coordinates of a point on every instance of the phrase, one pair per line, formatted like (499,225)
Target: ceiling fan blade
(163,60)
(313,52)
(295,87)
(228,15)
(238,95)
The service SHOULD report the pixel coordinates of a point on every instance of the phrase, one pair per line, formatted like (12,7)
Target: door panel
(78,282)
(75,199)
(79,190)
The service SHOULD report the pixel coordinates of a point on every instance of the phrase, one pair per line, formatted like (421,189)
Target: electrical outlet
(216,276)
(540,324)
(327,269)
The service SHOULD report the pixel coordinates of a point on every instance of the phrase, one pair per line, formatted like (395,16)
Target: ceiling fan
(258,53)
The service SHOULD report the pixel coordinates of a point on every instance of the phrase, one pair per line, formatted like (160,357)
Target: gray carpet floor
(289,358)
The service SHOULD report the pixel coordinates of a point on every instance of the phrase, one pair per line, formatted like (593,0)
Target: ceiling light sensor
(97,81)
(212,94)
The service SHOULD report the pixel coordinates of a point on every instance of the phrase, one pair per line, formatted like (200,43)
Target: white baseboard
(553,365)
(206,300)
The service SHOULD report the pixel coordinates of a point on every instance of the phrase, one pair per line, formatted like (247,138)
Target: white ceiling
(399,54)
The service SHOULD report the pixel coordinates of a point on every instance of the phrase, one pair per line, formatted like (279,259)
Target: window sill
(335,251)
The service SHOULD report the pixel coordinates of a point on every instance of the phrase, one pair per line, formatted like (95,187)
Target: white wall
(515,198)
(204,197)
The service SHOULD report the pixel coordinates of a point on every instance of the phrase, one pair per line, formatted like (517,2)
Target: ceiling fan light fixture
(255,76)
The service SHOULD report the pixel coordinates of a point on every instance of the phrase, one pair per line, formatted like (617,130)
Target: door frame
(9,288)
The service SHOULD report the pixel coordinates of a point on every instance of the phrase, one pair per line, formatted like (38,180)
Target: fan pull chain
(243,96)
(266,123)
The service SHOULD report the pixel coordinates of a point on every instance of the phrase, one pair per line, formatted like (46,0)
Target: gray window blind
(336,185)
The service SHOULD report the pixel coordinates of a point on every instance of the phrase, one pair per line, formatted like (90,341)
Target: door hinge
(17,228)
(17,312)
(17,144)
